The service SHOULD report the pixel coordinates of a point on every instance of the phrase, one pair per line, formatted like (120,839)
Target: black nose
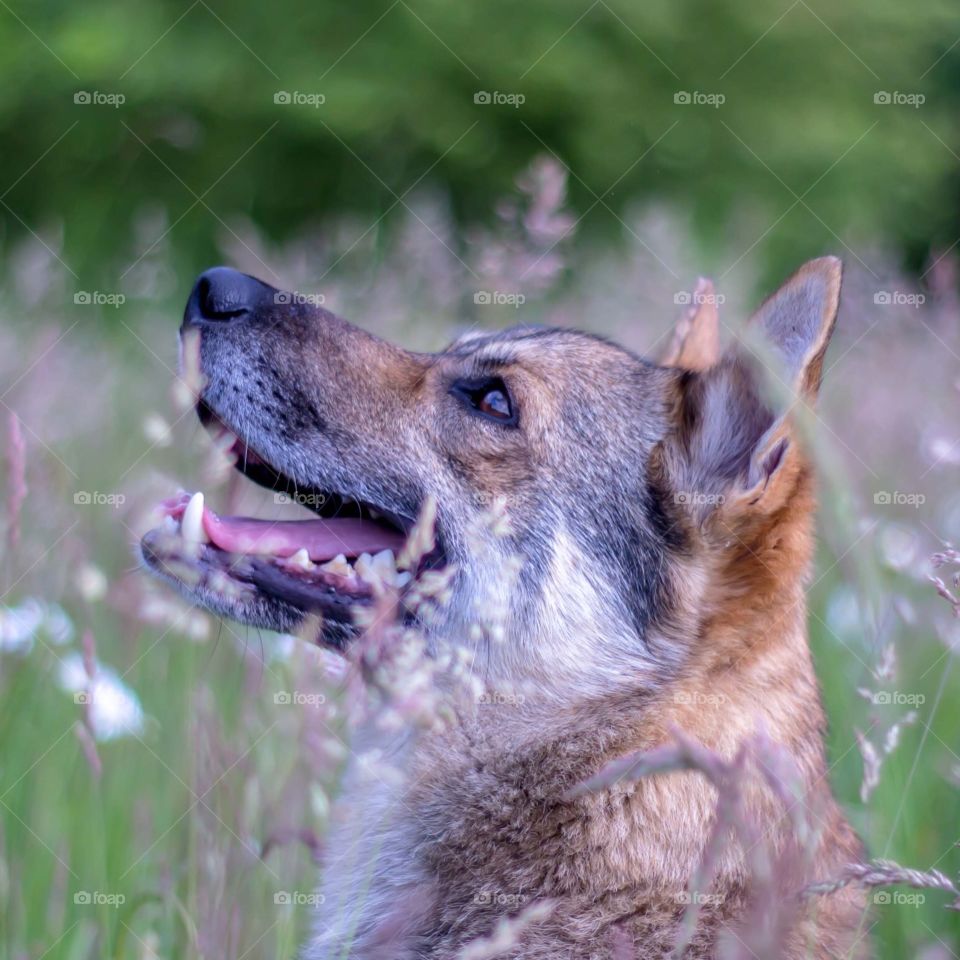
(225,294)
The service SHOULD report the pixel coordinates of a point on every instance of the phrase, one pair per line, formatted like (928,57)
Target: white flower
(115,709)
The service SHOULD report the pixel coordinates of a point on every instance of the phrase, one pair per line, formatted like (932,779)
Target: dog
(648,578)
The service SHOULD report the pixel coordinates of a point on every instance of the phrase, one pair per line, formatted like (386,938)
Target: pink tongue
(322,539)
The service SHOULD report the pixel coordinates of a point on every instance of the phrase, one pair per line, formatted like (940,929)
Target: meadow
(166,778)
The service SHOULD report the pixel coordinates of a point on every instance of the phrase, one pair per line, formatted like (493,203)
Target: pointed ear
(798,320)
(740,446)
(696,337)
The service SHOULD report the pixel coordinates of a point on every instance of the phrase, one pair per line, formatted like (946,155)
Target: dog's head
(577,492)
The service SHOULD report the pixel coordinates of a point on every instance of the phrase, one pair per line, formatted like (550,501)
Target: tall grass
(179,812)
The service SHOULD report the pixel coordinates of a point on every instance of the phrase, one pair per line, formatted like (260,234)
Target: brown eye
(496,404)
(487,396)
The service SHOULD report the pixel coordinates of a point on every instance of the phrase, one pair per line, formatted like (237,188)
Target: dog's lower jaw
(239,602)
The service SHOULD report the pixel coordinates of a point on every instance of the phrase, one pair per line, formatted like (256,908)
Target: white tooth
(384,566)
(191,526)
(338,565)
(363,565)
(402,578)
(300,559)
(170,525)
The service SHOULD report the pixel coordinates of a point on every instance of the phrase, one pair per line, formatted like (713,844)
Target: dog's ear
(696,338)
(739,431)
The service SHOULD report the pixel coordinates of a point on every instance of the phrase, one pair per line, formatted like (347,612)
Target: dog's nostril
(214,305)
(225,294)
(221,293)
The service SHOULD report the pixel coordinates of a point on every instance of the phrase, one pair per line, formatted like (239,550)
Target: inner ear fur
(739,448)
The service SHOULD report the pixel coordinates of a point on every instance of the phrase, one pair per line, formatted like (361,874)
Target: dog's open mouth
(273,572)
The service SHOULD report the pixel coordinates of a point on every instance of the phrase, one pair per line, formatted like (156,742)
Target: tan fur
(695,621)
(487,809)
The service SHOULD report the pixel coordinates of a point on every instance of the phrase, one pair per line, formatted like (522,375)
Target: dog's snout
(224,294)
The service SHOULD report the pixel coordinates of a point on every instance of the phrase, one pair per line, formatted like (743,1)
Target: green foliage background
(798,142)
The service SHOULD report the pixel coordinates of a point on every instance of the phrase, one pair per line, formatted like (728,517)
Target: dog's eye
(488,396)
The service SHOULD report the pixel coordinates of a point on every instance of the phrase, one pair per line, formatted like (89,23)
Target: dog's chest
(466,838)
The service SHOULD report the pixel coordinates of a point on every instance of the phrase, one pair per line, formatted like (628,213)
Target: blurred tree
(803,116)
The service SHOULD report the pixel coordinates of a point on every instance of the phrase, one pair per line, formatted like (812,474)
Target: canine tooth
(191,526)
(301,559)
(401,578)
